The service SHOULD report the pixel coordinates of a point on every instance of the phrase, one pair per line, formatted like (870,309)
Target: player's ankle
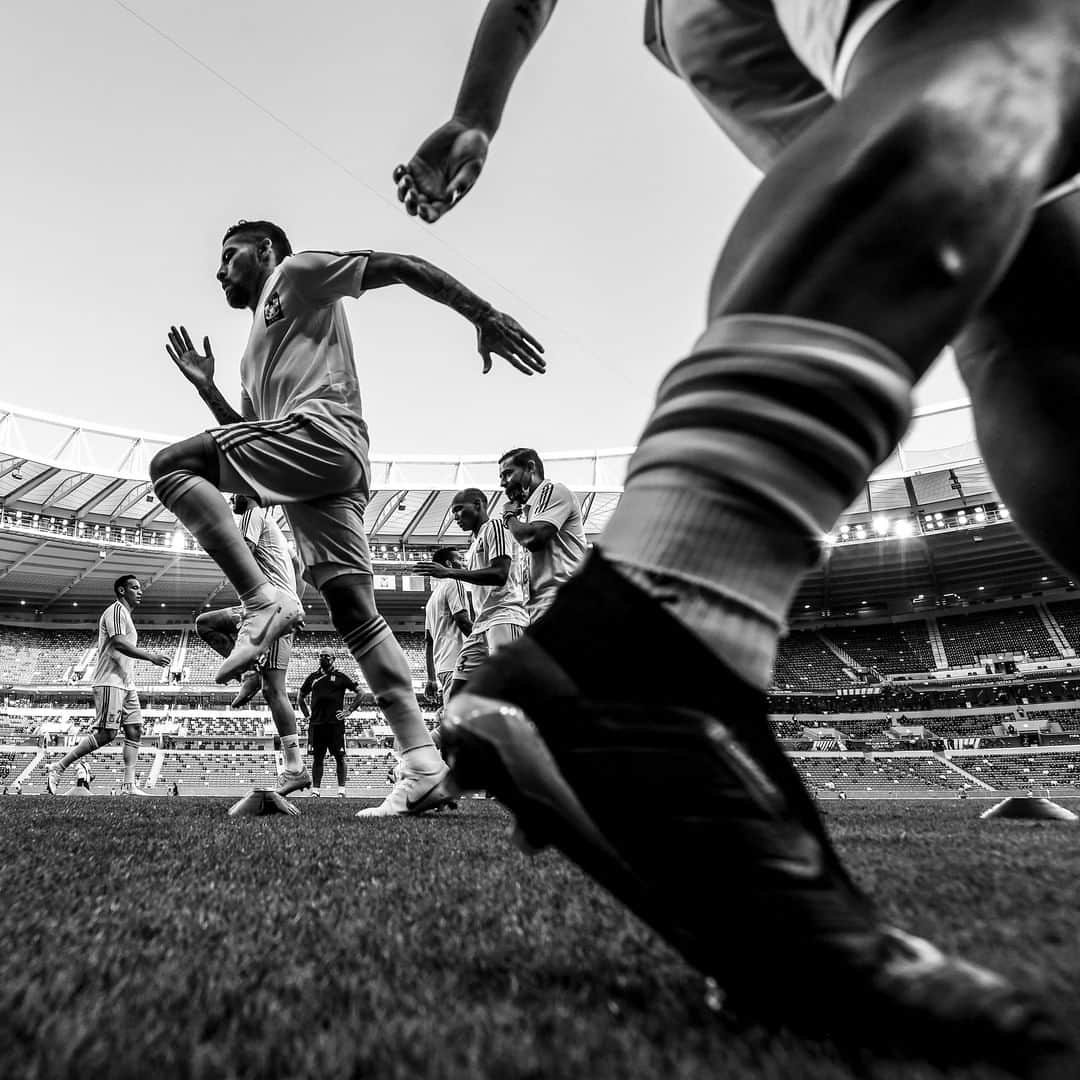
(261,596)
(422,759)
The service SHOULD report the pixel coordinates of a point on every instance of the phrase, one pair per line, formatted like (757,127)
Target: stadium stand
(1023,773)
(42,657)
(981,633)
(805,663)
(1067,614)
(889,647)
(904,775)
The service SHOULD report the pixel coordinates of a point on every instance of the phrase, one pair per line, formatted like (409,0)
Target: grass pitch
(160,938)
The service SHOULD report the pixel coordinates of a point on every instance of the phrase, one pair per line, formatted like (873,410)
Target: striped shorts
(317,474)
(116,706)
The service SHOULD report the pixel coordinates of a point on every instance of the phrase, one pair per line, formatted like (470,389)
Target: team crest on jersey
(272,311)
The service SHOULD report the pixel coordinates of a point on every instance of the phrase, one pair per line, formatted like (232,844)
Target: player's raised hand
(197,369)
(504,336)
(430,569)
(442,171)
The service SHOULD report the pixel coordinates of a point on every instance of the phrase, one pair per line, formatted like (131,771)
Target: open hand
(442,171)
(431,569)
(198,370)
(500,334)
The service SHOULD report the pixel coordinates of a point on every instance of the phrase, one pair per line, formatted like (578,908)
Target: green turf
(160,938)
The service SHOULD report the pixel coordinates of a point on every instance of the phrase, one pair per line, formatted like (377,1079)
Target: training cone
(1028,808)
(260,802)
(77,791)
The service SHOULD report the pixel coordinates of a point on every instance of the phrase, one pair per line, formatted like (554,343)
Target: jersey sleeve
(497,540)
(350,685)
(305,687)
(247,410)
(455,598)
(324,277)
(553,505)
(251,526)
(124,621)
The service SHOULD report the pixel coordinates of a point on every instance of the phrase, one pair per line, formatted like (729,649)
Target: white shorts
(116,706)
(320,482)
(479,645)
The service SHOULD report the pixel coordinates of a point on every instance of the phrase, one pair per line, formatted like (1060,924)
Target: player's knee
(103,736)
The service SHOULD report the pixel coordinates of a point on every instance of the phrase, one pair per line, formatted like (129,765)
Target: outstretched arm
(495,332)
(450,159)
(199,371)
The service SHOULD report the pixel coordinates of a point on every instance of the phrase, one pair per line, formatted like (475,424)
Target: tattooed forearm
(222,410)
(532,15)
(505,37)
(430,281)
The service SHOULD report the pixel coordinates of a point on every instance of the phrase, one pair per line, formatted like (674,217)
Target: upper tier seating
(1007,630)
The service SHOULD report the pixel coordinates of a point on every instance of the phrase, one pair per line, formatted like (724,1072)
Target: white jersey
(447,599)
(270,548)
(505,603)
(299,356)
(558,560)
(114,668)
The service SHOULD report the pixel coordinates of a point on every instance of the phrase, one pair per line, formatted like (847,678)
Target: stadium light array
(177,541)
(904,528)
(881,526)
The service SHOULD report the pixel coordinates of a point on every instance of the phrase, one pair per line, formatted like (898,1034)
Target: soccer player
(300,440)
(83,776)
(544,517)
(325,712)
(448,622)
(908,147)
(219,628)
(494,575)
(116,701)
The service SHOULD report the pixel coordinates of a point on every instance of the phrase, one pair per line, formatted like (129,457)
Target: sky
(136,131)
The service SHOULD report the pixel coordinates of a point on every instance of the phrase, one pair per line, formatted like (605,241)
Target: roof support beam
(409,529)
(94,500)
(17,493)
(388,511)
(98,559)
(25,558)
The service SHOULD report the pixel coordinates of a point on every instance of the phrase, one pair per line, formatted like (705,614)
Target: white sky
(604,204)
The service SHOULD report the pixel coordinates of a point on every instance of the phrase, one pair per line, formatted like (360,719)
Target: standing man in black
(326,714)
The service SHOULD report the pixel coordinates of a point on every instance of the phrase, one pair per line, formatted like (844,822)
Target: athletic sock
(199,505)
(387,672)
(760,439)
(131,757)
(86,746)
(290,747)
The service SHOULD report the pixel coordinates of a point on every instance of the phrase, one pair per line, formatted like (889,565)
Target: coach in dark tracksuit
(326,718)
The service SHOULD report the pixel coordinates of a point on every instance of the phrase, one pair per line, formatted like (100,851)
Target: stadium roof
(77,509)
(76,469)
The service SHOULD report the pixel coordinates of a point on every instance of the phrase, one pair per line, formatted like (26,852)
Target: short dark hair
(122,581)
(443,555)
(260,230)
(521,455)
(473,495)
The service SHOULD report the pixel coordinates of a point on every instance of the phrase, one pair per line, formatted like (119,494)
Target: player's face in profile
(239,271)
(465,515)
(133,592)
(512,481)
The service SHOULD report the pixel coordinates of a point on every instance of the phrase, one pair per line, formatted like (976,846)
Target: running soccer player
(116,701)
(544,517)
(219,628)
(326,714)
(448,622)
(300,440)
(909,148)
(494,575)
